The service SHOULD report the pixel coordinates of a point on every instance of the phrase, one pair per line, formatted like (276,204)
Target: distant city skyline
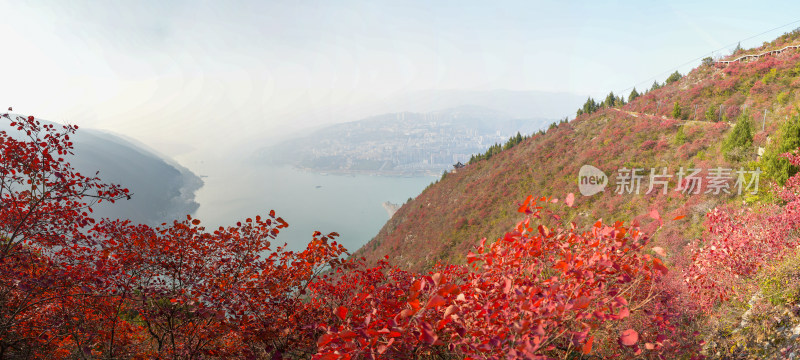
(180,75)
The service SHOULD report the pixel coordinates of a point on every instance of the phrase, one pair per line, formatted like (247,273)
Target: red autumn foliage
(75,288)
(739,242)
(71,287)
(535,293)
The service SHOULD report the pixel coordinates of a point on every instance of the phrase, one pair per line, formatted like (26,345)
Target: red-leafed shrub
(536,292)
(739,242)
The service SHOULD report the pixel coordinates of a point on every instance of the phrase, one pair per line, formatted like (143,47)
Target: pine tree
(634,94)
(676,111)
(611,100)
(680,137)
(737,49)
(655,86)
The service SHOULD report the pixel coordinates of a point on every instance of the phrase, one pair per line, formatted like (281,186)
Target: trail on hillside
(638,114)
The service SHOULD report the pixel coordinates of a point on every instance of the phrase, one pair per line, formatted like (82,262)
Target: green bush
(711,114)
(783,97)
(676,111)
(770,77)
(775,167)
(674,77)
(680,137)
(738,145)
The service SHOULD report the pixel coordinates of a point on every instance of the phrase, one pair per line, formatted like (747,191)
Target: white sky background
(188,76)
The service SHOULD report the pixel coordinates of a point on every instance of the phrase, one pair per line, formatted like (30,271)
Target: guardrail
(756,56)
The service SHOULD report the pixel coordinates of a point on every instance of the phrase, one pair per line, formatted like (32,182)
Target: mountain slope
(449,217)
(161,189)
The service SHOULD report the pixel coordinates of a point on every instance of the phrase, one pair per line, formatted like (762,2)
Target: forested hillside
(682,123)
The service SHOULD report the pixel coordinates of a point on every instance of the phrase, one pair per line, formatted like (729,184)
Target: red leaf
(569,201)
(629,337)
(416,286)
(655,215)
(561,265)
(587,347)
(658,265)
(414,304)
(524,207)
(624,313)
(341,312)
(324,339)
(436,278)
(450,310)
(347,334)
(406,313)
(427,336)
(679,217)
(195,222)
(435,301)
(581,303)
(544,231)
(449,289)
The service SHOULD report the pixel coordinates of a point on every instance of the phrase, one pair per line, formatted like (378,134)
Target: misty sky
(180,75)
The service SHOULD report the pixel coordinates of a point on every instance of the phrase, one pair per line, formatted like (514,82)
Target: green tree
(707,61)
(589,107)
(655,86)
(634,94)
(611,100)
(676,111)
(775,166)
(674,77)
(738,145)
(680,137)
(711,114)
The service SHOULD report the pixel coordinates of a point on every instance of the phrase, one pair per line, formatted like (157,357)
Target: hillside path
(685,122)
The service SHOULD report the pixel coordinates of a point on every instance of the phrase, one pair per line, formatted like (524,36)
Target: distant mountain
(401,143)
(517,104)
(162,189)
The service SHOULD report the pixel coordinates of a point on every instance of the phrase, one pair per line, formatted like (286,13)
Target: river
(350,205)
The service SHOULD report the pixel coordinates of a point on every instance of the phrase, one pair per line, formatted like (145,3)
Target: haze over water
(347,204)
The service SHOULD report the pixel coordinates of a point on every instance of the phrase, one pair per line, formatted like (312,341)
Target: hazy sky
(191,74)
